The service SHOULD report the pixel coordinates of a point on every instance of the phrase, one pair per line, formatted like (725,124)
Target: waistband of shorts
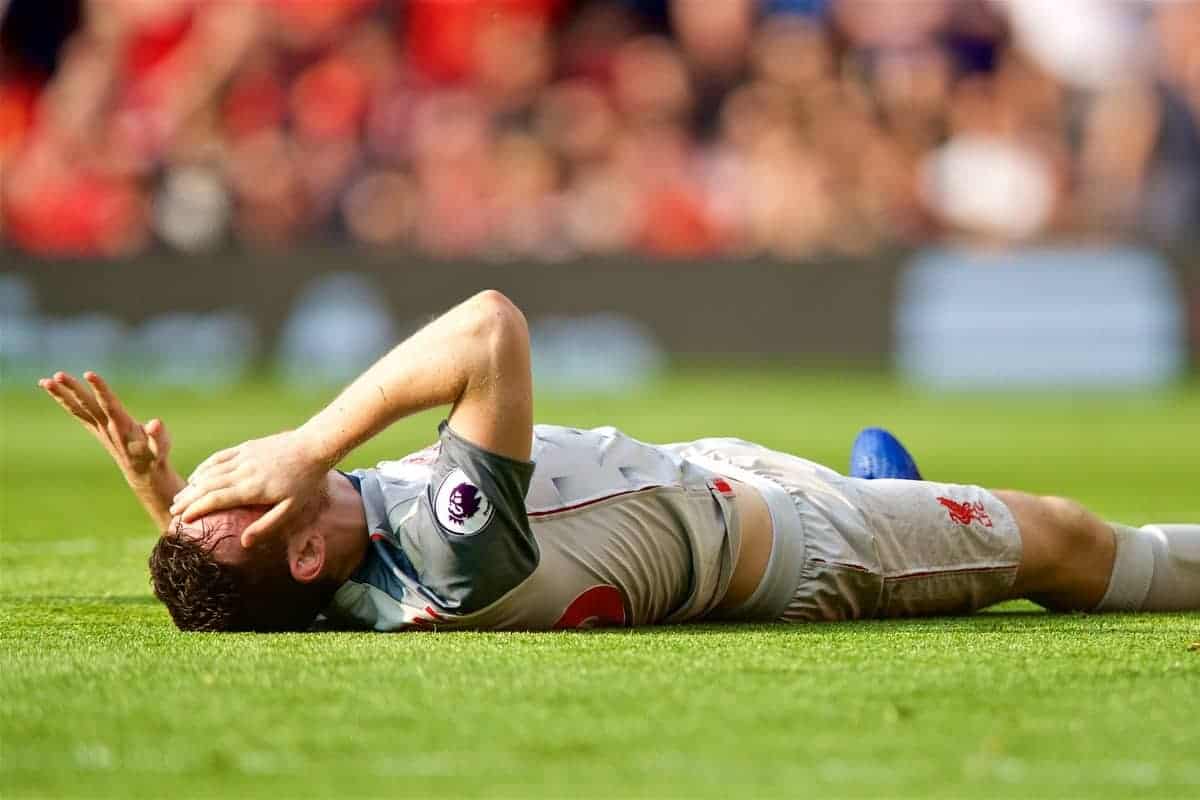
(778,585)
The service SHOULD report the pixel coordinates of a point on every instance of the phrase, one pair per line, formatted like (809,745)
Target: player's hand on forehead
(137,448)
(280,471)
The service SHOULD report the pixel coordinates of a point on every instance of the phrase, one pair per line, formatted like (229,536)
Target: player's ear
(306,556)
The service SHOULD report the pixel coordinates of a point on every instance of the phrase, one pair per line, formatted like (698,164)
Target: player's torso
(626,533)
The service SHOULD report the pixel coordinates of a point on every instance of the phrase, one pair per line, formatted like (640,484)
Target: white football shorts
(849,548)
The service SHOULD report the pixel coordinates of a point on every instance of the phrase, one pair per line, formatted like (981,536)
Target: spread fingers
(66,398)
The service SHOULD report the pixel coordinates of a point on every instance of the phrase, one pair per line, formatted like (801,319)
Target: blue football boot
(878,454)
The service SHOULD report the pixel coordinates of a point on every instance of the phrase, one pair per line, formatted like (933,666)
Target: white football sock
(1157,568)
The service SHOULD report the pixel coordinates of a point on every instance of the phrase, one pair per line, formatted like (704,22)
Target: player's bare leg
(1074,561)
(1067,553)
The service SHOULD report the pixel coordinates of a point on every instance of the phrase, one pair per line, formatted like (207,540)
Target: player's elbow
(502,326)
(496,305)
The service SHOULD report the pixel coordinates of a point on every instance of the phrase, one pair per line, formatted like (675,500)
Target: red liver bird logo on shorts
(966,513)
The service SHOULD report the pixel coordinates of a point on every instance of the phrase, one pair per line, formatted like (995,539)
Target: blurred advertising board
(1097,317)
(945,316)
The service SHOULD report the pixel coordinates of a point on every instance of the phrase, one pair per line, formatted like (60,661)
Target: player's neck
(344,525)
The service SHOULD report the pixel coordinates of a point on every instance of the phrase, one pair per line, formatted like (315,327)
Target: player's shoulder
(567,434)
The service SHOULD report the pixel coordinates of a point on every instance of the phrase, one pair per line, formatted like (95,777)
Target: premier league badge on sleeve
(460,506)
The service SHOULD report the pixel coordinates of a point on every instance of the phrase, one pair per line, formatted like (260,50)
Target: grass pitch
(101,697)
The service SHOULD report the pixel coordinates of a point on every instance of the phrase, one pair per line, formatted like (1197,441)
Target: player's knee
(1071,529)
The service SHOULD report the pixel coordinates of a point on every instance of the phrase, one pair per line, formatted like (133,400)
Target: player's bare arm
(474,358)
(140,451)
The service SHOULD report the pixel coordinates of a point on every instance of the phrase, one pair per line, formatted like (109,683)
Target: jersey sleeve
(479,545)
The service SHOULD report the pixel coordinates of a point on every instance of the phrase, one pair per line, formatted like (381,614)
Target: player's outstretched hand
(280,471)
(139,450)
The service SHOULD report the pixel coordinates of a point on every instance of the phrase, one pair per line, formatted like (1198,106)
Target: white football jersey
(600,529)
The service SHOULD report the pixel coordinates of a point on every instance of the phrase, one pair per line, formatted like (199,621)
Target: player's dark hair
(203,594)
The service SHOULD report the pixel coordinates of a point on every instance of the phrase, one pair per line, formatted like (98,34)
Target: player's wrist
(156,487)
(161,475)
(319,444)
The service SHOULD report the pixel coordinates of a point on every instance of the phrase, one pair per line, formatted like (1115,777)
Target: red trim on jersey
(586,503)
(598,606)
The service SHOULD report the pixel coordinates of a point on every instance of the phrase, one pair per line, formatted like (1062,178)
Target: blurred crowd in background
(550,129)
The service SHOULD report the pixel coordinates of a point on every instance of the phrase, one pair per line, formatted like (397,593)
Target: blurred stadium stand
(550,129)
(1108,318)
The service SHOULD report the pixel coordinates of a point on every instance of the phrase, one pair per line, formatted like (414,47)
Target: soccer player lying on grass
(504,525)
